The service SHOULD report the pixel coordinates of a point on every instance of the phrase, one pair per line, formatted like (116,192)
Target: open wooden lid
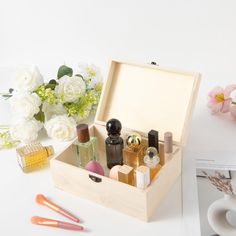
(145,97)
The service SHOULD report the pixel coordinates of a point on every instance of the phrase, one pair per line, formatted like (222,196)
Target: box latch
(95,178)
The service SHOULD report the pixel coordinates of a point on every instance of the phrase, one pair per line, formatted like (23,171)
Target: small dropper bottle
(152,160)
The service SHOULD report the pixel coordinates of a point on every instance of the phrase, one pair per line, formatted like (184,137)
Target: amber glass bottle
(134,151)
(33,156)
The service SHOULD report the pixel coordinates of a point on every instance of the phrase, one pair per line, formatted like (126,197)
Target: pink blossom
(219,99)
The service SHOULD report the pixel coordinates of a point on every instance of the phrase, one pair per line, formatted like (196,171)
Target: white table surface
(186,34)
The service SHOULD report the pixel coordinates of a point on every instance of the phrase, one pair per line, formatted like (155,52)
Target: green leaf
(64,70)
(51,84)
(6,96)
(40,115)
(79,75)
(52,81)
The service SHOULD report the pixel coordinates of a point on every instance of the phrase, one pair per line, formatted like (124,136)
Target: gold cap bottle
(33,156)
(50,150)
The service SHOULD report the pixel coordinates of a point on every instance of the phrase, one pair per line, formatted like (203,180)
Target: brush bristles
(40,198)
(34,220)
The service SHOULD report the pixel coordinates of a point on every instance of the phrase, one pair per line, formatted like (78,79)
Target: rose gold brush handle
(70,226)
(60,210)
(54,223)
(41,199)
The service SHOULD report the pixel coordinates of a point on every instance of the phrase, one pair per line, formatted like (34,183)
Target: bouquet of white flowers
(56,105)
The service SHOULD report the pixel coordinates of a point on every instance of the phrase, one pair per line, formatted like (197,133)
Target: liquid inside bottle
(87,151)
(134,151)
(33,156)
(152,160)
(134,157)
(86,146)
(114,148)
(114,143)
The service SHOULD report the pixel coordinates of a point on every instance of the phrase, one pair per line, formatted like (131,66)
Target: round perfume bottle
(152,160)
(114,143)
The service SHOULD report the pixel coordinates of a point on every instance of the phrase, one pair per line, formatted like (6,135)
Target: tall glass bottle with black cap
(114,143)
(86,145)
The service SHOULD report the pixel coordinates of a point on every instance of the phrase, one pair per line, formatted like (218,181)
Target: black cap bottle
(153,139)
(114,143)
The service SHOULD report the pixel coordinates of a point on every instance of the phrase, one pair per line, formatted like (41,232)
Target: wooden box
(142,97)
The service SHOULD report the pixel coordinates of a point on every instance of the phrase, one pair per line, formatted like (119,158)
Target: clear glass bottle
(152,160)
(33,156)
(86,146)
(114,143)
(134,151)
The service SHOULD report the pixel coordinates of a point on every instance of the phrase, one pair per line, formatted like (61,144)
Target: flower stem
(4,126)
(4,94)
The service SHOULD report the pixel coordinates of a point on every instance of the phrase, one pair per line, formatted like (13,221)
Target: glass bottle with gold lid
(33,156)
(134,151)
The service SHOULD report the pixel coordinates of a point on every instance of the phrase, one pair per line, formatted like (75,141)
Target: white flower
(26,130)
(25,105)
(62,128)
(51,110)
(70,89)
(28,79)
(91,74)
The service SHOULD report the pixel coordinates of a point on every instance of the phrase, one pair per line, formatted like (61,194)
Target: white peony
(51,110)
(62,128)
(90,73)
(25,105)
(28,79)
(26,130)
(70,89)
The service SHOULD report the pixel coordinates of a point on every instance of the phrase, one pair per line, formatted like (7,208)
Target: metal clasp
(154,63)
(95,179)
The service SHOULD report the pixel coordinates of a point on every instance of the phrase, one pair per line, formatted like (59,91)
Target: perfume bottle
(86,146)
(153,141)
(152,160)
(114,143)
(142,177)
(126,174)
(134,151)
(33,156)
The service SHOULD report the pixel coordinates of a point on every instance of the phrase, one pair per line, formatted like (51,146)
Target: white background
(193,35)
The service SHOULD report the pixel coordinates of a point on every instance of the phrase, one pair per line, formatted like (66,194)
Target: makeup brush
(41,199)
(54,223)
